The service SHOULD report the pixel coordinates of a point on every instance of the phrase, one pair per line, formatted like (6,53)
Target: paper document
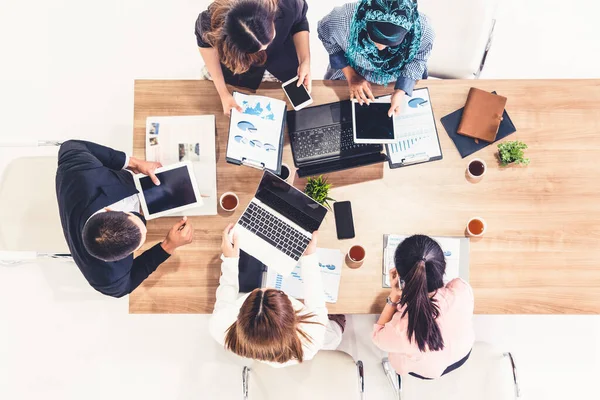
(330,263)
(415,129)
(451,247)
(255,134)
(170,140)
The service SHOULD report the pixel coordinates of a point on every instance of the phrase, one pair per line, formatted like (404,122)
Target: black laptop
(322,140)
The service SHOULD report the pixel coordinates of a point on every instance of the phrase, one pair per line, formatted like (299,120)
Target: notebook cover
(466,145)
(482,115)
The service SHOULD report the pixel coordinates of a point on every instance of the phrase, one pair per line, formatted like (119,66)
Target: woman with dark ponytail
(426,326)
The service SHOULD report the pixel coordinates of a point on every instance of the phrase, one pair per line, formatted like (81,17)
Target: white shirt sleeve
(314,302)
(126,162)
(226,310)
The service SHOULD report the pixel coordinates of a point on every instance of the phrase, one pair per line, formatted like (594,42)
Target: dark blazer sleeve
(142,266)
(301,22)
(79,155)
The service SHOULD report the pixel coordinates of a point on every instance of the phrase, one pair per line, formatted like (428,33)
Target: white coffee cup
(475,166)
(477,222)
(225,197)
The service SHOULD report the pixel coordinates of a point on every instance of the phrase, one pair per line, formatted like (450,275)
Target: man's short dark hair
(111,236)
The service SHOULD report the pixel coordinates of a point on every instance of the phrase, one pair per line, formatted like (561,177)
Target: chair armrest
(515,376)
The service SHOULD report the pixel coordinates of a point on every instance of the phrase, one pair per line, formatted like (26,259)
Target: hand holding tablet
(371,122)
(178,191)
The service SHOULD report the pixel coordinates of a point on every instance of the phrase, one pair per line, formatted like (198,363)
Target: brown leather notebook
(482,115)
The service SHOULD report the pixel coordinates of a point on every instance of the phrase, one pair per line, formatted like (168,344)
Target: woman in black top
(241,39)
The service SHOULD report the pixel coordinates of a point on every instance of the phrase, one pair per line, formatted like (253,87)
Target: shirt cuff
(300,27)
(338,60)
(126,162)
(406,84)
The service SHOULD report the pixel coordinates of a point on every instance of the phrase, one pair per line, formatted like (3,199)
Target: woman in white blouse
(268,325)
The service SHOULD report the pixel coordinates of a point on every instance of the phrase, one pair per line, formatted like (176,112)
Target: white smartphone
(298,95)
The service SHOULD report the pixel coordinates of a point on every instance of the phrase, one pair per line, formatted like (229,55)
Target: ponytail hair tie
(423,259)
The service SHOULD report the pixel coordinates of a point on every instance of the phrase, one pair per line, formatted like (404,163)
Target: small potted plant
(512,153)
(317,189)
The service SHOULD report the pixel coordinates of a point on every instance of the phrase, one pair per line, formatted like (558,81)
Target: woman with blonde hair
(241,40)
(268,325)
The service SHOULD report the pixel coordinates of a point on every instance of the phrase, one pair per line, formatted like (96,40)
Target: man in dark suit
(99,212)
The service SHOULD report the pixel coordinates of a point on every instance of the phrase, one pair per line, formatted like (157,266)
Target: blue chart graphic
(258,110)
(405,145)
(246,126)
(417,102)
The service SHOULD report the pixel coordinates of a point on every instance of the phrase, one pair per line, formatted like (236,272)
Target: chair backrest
(330,375)
(28,207)
(487,374)
(462,29)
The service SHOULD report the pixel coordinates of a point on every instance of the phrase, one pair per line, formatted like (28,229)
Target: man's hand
(304,77)
(229,103)
(230,250)
(144,167)
(312,246)
(181,233)
(397,103)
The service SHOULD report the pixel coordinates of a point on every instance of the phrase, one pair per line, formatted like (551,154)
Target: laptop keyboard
(324,142)
(274,231)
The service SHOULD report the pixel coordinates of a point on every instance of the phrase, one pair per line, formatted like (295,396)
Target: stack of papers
(330,263)
(170,140)
(451,247)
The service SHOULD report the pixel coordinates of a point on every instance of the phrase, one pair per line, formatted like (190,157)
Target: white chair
(464,31)
(330,375)
(487,374)
(30,225)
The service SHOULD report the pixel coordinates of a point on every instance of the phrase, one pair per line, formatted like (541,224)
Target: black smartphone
(344,224)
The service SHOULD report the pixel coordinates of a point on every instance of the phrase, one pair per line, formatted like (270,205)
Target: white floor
(67,71)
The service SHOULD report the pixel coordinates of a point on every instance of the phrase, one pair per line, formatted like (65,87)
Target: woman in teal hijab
(379,42)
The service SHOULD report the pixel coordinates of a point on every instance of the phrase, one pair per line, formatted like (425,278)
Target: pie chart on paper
(417,102)
(246,126)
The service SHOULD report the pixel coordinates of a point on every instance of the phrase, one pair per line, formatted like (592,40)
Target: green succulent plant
(317,189)
(512,152)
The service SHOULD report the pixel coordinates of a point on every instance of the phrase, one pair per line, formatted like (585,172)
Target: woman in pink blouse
(426,327)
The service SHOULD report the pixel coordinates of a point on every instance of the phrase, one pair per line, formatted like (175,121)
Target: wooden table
(541,254)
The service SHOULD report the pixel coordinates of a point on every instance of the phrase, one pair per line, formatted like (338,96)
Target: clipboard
(253,162)
(418,157)
(464,259)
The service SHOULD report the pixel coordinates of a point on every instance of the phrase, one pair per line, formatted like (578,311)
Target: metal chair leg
(361,378)
(487,49)
(393,378)
(515,376)
(245,379)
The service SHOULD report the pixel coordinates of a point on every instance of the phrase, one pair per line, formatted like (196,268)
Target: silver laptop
(277,225)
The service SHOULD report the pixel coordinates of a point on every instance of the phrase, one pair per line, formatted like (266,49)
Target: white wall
(67,70)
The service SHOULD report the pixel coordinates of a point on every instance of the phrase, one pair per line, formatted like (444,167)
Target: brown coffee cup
(356,256)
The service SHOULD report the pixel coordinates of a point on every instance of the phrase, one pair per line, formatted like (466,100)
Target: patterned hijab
(384,66)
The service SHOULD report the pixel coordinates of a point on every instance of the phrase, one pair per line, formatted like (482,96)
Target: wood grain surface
(540,255)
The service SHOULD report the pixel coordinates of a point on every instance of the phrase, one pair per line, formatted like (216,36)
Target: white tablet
(177,192)
(371,122)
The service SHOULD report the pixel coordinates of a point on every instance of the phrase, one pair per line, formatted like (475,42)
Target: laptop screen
(290,202)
